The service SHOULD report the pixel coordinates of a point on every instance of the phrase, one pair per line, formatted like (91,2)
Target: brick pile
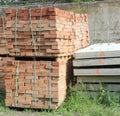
(44,32)
(37,84)
(3,40)
(81,31)
(6,67)
(40,43)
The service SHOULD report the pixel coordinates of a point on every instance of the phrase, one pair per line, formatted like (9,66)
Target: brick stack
(37,84)
(81,32)
(3,40)
(6,67)
(41,42)
(47,31)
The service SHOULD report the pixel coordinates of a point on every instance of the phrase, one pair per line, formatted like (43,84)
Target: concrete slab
(98,79)
(97,87)
(97,71)
(100,50)
(96,62)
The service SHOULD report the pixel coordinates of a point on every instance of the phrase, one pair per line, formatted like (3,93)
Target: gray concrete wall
(104,22)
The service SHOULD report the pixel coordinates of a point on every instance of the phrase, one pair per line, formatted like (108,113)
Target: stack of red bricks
(40,42)
(6,67)
(3,40)
(81,29)
(44,32)
(34,84)
(37,84)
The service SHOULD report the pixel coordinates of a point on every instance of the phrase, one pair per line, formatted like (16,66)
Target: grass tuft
(2,102)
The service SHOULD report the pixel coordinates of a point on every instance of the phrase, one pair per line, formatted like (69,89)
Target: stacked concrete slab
(40,42)
(98,63)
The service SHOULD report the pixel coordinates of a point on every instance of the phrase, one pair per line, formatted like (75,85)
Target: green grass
(2,103)
(81,104)
(77,104)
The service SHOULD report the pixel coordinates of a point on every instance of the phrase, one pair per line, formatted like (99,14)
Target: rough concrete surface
(99,50)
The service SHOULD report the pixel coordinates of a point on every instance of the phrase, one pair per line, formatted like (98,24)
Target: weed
(107,98)
(2,102)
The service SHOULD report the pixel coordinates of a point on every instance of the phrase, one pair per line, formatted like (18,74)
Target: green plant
(107,98)
(79,103)
(2,103)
